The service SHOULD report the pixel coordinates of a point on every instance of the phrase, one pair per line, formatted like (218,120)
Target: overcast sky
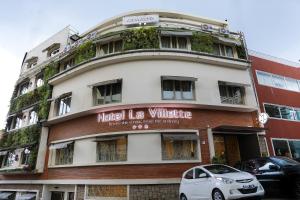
(270,26)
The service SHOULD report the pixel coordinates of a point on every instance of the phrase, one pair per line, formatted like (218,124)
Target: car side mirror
(273,167)
(203,175)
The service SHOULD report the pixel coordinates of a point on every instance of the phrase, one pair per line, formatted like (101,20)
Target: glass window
(292,84)
(182,43)
(264,78)
(199,173)
(64,105)
(281,148)
(220,169)
(175,42)
(231,94)
(54,52)
(18,122)
(216,49)
(189,174)
(297,114)
(111,47)
(272,110)
(287,113)
(179,149)
(69,63)
(229,51)
(39,82)
(24,88)
(166,42)
(295,148)
(112,149)
(278,81)
(176,89)
(33,117)
(64,156)
(109,93)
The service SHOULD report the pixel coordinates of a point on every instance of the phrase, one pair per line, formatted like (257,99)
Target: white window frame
(293,108)
(188,42)
(272,80)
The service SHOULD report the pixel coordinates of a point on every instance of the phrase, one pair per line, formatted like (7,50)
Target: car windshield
(284,161)
(220,169)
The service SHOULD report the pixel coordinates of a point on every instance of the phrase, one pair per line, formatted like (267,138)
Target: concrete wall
(60,37)
(142,83)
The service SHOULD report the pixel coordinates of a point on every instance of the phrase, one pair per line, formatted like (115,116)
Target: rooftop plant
(85,52)
(202,42)
(141,38)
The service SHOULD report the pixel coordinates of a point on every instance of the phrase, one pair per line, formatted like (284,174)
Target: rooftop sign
(143,19)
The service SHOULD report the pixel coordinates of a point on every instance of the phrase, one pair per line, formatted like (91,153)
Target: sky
(270,26)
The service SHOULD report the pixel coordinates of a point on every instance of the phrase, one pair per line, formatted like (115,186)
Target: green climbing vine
(141,38)
(202,42)
(85,52)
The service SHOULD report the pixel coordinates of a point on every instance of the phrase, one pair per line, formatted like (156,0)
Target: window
(285,147)
(31,64)
(199,173)
(281,148)
(264,78)
(278,81)
(24,88)
(287,113)
(179,146)
(54,52)
(64,104)
(69,63)
(111,47)
(189,174)
(295,148)
(292,84)
(282,112)
(174,42)
(18,122)
(223,50)
(64,156)
(39,80)
(57,195)
(272,110)
(178,89)
(231,94)
(33,117)
(111,149)
(108,93)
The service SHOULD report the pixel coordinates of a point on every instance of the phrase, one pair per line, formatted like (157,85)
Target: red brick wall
(84,126)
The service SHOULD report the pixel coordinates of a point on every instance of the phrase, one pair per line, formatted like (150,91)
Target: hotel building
(120,111)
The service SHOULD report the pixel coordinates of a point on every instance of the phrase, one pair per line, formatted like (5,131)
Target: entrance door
(57,195)
(227,146)
(232,149)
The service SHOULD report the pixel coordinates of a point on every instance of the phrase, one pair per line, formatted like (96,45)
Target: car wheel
(217,195)
(183,197)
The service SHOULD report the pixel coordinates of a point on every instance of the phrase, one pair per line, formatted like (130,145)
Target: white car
(218,182)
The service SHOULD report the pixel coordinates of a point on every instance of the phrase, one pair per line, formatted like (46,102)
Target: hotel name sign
(142,119)
(140,20)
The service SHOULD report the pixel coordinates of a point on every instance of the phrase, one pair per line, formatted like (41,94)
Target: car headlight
(225,180)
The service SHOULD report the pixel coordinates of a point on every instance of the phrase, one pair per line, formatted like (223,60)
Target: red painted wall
(277,128)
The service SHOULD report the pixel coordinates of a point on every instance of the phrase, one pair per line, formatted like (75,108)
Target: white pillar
(210,143)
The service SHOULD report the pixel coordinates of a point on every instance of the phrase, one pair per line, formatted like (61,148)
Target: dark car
(280,176)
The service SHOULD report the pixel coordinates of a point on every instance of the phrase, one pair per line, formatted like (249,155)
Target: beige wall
(142,83)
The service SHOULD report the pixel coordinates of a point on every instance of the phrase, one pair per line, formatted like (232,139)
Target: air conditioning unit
(206,27)
(224,31)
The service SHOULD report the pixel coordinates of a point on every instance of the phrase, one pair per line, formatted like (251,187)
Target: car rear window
(220,169)
(283,161)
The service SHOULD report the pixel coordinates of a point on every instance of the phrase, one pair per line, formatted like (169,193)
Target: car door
(269,175)
(202,185)
(187,183)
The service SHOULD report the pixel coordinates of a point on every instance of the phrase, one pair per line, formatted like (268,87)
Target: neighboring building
(277,83)
(137,100)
